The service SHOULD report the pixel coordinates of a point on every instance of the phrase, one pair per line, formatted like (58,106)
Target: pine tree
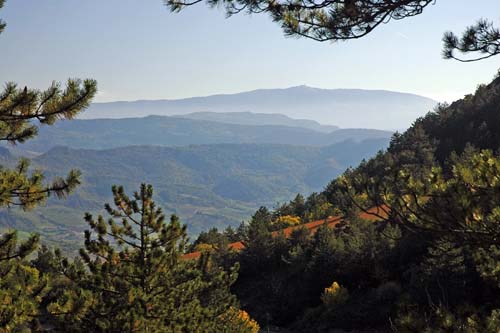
(258,241)
(21,109)
(298,204)
(137,279)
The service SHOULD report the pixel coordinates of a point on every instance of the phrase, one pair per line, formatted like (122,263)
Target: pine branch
(483,38)
(327,20)
(19,188)
(19,107)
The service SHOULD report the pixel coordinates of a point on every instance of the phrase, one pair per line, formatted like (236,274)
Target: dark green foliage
(439,264)
(136,277)
(19,108)
(214,239)
(21,285)
(217,240)
(316,207)
(295,207)
(475,117)
(280,278)
(258,240)
(431,261)
(18,187)
(232,235)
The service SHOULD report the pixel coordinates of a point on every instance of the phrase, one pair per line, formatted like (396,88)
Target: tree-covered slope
(173,131)
(252,118)
(206,185)
(429,263)
(447,132)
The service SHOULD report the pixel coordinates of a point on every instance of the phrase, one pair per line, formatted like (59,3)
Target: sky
(139,50)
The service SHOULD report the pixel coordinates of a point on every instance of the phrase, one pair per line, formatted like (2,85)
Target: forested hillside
(429,264)
(252,118)
(172,131)
(208,185)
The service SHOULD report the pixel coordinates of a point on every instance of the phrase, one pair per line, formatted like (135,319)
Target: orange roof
(236,246)
(192,255)
(371,215)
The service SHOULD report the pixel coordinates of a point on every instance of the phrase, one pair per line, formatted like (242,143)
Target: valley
(207,186)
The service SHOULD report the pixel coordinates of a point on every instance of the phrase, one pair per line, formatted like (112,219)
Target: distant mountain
(173,131)
(206,185)
(259,119)
(346,108)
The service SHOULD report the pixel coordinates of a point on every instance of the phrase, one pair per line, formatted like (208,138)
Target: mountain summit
(347,108)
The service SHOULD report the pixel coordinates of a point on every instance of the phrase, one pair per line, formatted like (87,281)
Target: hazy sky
(139,50)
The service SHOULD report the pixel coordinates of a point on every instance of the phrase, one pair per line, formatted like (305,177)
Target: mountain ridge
(340,107)
(291,88)
(259,119)
(176,131)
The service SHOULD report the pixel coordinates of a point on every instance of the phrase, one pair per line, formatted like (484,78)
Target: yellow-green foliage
(288,221)
(334,295)
(21,286)
(204,247)
(238,321)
